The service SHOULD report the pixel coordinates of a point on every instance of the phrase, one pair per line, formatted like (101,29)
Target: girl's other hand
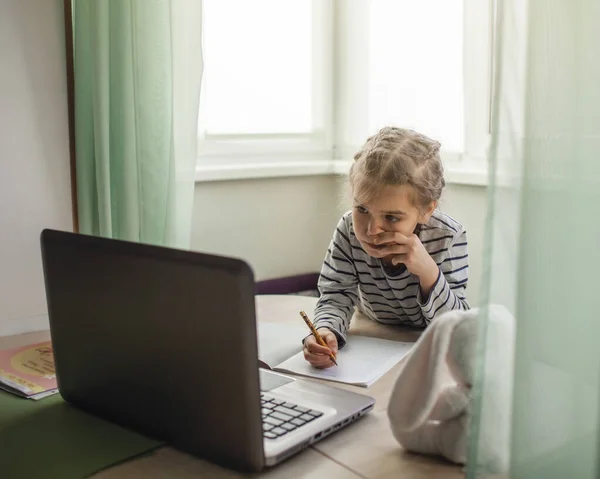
(410,251)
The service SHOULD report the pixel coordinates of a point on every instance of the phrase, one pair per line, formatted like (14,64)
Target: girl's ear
(427,212)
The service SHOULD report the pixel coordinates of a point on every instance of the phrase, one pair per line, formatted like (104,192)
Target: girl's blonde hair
(396,156)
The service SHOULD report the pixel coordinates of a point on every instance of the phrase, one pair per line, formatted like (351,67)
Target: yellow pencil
(316,334)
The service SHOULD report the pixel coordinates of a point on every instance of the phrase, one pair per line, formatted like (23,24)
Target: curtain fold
(542,257)
(138,69)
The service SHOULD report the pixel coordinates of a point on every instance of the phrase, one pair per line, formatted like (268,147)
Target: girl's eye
(361,209)
(391,219)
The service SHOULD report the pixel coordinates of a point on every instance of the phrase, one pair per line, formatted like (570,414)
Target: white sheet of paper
(361,362)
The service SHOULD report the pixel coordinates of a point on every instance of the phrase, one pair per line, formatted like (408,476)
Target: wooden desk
(365,449)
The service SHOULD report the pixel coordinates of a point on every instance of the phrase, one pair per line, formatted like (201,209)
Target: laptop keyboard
(280,417)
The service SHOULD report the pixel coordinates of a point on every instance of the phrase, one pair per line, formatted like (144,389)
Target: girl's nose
(373,228)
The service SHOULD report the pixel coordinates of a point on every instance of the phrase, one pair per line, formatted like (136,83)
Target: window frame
(223,156)
(340,105)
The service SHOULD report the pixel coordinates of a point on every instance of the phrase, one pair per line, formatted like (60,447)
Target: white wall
(282,226)
(468,205)
(34,155)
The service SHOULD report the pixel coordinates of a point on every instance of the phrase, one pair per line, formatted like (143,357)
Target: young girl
(395,257)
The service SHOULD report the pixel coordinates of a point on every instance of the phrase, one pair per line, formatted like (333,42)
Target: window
(416,67)
(258,66)
(267,83)
(302,83)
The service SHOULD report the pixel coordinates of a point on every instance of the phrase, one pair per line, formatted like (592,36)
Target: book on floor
(28,371)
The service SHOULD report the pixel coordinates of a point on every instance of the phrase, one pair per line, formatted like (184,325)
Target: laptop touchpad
(270,381)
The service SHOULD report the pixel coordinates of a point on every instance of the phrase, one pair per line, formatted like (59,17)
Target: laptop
(163,341)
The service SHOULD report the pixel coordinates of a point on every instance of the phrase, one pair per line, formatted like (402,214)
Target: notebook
(28,371)
(360,363)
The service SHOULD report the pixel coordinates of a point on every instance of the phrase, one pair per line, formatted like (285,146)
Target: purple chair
(289,284)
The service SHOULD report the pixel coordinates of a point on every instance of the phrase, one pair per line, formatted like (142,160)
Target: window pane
(258,66)
(416,67)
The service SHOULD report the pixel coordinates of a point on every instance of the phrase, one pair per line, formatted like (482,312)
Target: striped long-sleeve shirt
(351,278)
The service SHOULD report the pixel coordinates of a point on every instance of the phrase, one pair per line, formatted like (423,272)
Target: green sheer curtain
(138,69)
(543,235)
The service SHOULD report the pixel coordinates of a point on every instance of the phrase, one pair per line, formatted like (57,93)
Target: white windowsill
(455,174)
(268,169)
(467,176)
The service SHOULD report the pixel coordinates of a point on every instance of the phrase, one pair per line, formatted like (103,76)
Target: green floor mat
(52,440)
